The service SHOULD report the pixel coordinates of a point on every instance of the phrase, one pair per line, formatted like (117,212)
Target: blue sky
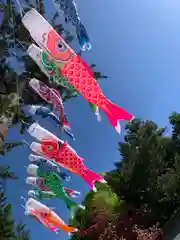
(137,45)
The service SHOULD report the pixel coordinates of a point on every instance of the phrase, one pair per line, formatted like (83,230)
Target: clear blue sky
(137,45)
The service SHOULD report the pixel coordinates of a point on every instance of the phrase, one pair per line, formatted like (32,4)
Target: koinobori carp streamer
(48,166)
(40,195)
(45,112)
(68,7)
(46,216)
(69,75)
(51,147)
(40,184)
(53,182)
(49,68)
(50,96)
(71,66)
(63,154)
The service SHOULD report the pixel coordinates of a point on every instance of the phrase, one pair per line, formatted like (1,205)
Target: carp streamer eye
(61,46)
(49,147)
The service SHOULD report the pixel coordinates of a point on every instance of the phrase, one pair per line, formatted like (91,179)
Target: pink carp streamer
(65,156)
(51,96)
(46,216)
(71,66)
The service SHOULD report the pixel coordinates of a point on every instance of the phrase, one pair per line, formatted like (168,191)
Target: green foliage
(6,224)
(105,201)
(8,229)
(8,146)
(20,233)
(5,173)
(101,207)
(147,179)
(148,175)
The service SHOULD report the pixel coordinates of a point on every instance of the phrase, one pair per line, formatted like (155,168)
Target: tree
(20,232)
(148,173)
(124,229)
(8,229)
(147,179)
(101,207)
(97,75)
(6,223)
(6,174)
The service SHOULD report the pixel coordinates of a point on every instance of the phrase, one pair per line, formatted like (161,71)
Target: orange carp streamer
(46,216)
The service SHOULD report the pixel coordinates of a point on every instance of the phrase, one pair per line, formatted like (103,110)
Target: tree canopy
(145,181)
(8,229)
(101,207)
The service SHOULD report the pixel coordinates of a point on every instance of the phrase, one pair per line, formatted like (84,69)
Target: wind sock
(63,154)
(71,66)
(40,195)
(39,183)
(39,216)
(53,148)
(46,216)
(48,166)
(71,15)
(53,182)
(45,112)
(49,68)
(50,96)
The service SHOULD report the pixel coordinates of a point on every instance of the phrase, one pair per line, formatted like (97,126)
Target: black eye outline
(60,46)
(60,145)
(49,147)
